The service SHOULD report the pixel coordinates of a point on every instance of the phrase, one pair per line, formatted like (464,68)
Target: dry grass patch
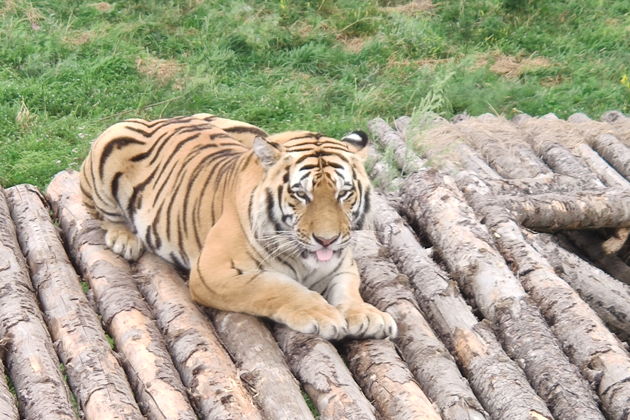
(78,38)
(352,44)
(416,6)
(102,6)
(162,71)
(512,67)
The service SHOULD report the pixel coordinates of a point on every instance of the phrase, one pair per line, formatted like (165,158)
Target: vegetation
(69,69)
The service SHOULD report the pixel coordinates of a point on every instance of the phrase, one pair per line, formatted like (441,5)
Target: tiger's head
(314,192)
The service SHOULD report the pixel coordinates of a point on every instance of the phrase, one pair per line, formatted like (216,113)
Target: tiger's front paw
(315,318)
(124,243)
(365,321)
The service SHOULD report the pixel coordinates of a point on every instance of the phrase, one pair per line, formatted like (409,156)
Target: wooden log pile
(559,301)
(504,266)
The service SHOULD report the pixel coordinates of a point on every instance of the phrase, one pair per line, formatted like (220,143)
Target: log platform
(505,265)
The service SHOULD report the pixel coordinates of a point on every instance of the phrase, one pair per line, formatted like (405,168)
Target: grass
(70,69)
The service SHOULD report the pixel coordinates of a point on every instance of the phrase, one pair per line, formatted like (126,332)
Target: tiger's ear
(356,141)
(267,152)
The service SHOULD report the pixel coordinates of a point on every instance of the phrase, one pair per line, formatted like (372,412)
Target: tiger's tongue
(324,254)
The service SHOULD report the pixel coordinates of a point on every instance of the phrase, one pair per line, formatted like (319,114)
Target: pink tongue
(324,254)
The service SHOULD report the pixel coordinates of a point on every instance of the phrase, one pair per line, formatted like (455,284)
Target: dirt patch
(162,71)
(512,66)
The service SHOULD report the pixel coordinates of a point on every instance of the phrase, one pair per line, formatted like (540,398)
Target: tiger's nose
(325,241)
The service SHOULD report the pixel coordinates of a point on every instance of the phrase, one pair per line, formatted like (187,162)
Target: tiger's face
(317,192)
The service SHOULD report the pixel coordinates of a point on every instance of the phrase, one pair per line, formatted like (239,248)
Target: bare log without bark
(511,156)
(615,152)
(498,382)
(597,353)
(324,376)
(466,247)
(125,314)
(550,138)
(609,298)
(94,373)
(386,381)
(262,365)
(8,405)
(31,359)
(432,365)
(205,368)
(584,210)
(406,160)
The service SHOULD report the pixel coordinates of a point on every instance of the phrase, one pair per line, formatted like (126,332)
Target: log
(608,297)
(620,125)
(600,167)
(429,361)
(615,152)
(588,343)
(466,247)
(503,146)
(550,139)
(324,375)
(262,364)
(551,212)
(31,360)
(382,175)
(125,314)
(499,383)
(207,372)
(8,404)
(406,160)
(386,380)
(94,373)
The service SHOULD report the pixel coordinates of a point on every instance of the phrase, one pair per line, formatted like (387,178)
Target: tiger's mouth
(324,254)
(321,255)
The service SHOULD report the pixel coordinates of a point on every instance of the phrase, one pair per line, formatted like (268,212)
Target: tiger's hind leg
(122,241)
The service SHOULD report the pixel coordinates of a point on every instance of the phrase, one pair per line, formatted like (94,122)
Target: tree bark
(262,364)
(124,312)
(207,371)
(8,404)
(31,360)
(432,365)
(406,160)
(466,247)
(498,382)
(94,373)
(599,354)
(324,376)
(608,297)
(386,381)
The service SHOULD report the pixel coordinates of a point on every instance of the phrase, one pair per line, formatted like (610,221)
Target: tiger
(261,223)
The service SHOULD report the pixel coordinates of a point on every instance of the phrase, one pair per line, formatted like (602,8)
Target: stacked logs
(559,302)
(506,275)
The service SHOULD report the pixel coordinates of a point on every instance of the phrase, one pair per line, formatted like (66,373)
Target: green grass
(69,69)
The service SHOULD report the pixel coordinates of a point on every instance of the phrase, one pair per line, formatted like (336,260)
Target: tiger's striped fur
(261,222)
